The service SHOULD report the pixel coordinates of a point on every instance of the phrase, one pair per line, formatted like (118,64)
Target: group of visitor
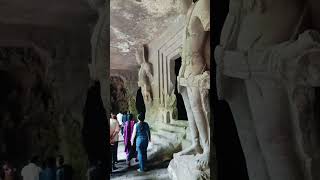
(136,135)
(51,169)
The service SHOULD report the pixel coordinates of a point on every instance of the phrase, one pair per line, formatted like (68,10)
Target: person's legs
(145,147)
(112,155)
(140,151)
(116,151)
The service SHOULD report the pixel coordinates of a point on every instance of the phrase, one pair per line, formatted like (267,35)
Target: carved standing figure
(193,73)
(145,74)
(266,51)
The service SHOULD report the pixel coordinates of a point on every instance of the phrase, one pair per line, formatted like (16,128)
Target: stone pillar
(100,51)
(100,63)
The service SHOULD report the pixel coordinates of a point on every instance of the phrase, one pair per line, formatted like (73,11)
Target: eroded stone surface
(186,167)
(279,57)
(133,23)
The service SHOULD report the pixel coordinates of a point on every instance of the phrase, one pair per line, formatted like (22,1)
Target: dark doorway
(182,113)
(140,106)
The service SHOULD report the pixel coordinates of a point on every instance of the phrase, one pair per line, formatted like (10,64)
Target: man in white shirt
(31,171)
(114,138)
(119,118)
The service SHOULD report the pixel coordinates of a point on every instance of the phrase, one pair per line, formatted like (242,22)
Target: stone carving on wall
(193,84)
(268,71)
(145,74)
(168,109)
(171,103)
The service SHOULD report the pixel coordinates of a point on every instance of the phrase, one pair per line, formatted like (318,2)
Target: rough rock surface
(185,166)
(133,22)
(46,114)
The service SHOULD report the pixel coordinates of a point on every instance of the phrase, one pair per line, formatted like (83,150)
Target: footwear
(139,170)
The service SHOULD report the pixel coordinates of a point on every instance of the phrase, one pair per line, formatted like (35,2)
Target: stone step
(180,123)
(160,139)
(173,128)
(174,136)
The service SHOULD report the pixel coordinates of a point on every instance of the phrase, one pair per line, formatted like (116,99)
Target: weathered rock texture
(136,22)
(186,167)
(51,118)
(129,77)
(269,75)
(128,90)
(47,84)
(118,95)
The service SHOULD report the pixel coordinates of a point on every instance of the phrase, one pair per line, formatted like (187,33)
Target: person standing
(49,173)
(32,170)
(141,132)
(129,149)
(64,172)
(8,172)
(119,118)
(114,137)
(124,118)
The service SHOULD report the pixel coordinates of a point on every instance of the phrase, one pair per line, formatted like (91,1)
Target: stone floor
(155,172)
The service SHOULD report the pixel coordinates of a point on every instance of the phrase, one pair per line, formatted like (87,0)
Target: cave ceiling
(133,22)
(46,12)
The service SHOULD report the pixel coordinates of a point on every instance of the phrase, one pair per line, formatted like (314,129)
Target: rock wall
(130,78)
(48,108)
(70,65)
(118,95)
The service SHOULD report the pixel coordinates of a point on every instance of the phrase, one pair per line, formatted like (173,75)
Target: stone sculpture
(267,68)
(193,84)
(145,74)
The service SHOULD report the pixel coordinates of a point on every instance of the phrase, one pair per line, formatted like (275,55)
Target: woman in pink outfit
(129,149)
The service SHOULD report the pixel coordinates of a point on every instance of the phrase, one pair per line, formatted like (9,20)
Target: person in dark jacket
(49,172)
(64,172)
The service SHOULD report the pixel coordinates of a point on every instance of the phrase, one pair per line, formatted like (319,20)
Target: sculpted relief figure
(268,51)
(145,74)
(193,78)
